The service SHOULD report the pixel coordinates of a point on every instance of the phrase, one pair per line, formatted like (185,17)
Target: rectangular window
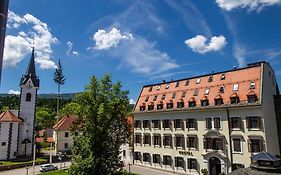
(156,158)
(191,142)
(235,87)
(254,122)
(124,153)
(252,85)
(167,160)
(191,124)
(150,107)
(146,124)
(237,145)
(156,124)
(147,139)
(166,124)
(155,98)
(192,164)
(179,162)
(156,140)
(191,104)
(256,145)
(3,143)
(137,124)
(208,123)
(221,90)
(174,95)
(217,124)
(178,123)
(146,157)
(183,94)
(235,122)
(66,134)
(179,142)
(137,138)
(198,81)
(167,140)
(196,92)
(178,84)
(146,98)
(65,145)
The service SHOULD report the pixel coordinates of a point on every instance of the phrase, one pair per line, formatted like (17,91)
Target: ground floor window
(237,145)
(156,158)
(65,145)
(179,162)
(124,153)
(236,166)
(146,157)
(192,164)
(137,156)
(167,160)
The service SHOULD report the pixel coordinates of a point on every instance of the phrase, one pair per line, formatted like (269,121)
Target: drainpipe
(229,137)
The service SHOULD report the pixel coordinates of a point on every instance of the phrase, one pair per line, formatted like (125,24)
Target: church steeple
(31,67)
(31,72)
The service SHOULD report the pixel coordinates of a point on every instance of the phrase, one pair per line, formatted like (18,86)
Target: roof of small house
(8,116)
(65,122)
(265,156)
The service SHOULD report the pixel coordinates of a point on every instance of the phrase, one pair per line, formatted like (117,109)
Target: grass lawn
(18,162)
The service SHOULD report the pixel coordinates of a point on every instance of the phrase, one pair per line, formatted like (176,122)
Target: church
(17,126)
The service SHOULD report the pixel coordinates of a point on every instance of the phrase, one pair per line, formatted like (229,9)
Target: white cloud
(13,92)
(70,51)
(198,43)
(132,102)
(106,40)
(135,53)
(250,4)
(19,45)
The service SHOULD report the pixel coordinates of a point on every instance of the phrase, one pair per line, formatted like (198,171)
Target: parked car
(48,167)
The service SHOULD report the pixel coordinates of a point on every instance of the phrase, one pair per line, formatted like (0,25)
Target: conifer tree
(59,80)
(101,129)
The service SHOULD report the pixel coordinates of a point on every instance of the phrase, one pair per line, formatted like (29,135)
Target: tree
(44,119)
(59,80)
(71,108)
(101,128)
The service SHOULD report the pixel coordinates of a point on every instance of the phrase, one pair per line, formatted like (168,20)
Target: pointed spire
(31,67)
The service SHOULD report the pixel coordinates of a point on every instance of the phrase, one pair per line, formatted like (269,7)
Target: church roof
(8,116)
(65,122)
(31,72)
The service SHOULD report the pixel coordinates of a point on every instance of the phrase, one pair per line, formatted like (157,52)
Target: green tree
(59,80)
(101,128)
(71,108)
(44,119)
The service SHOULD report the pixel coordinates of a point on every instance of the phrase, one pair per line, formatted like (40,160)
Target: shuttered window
(237,145)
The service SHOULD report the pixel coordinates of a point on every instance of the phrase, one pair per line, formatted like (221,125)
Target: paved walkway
(146,171)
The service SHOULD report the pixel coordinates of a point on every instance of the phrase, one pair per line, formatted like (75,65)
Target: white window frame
(213,122)
(252,85)
(237,129)
(207,91)
(241,144)
(198,81)
(235,87)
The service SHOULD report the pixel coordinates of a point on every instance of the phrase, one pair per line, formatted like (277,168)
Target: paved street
(22,171)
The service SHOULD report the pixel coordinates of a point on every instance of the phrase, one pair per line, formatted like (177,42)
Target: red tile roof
(65,122)
(42,139)
(8,116)
(208,87)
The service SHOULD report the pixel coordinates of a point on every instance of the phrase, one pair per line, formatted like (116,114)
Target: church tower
(29,85)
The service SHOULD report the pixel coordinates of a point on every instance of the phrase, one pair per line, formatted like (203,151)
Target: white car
(48,167)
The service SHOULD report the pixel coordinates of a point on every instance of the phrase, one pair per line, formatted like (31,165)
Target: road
(23,171)
(134,169)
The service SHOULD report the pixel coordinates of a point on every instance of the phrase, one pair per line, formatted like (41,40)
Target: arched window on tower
(28,97)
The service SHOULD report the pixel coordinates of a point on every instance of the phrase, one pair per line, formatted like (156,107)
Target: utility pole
(3,21)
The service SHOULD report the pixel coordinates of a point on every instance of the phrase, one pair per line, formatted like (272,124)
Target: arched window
(28,97)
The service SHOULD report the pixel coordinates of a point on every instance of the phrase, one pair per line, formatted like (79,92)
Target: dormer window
(163,97)
(252,85)
(218,100)
(222,76)
(178,84)
(204,101)
(150,88)
(146,98)
(155,98)
(160,105)
(187,83)
(180,104)
(235,87)
(234,99)
(150,107)
(170,105)
(158,87)
(28,97)
(167,85)
(207,90)
(174,95)
(142,107)
(210,79)
(252,98)
(198,81)
(196,92)
(221,90)
(191,103)
(183,94)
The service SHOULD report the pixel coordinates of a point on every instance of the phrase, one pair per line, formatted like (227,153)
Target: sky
(138,42)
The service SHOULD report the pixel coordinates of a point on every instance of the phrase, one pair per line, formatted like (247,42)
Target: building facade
(213,122)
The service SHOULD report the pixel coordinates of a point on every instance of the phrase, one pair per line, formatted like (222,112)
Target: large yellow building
(213,122)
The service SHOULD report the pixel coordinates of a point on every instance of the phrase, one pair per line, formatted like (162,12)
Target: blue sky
(138,42)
